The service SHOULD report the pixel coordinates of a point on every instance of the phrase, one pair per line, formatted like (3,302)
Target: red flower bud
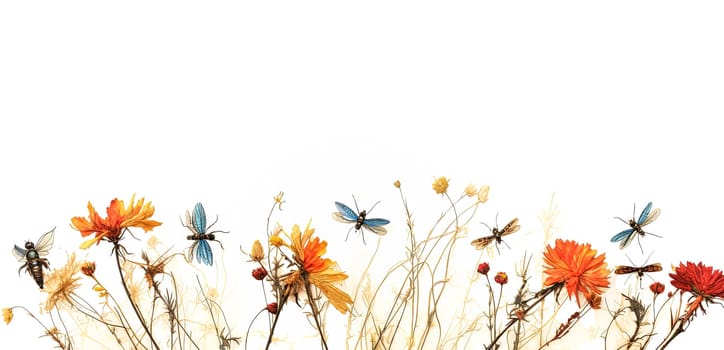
(657,288)
(272,308)
(259,273)
(483,268)
(501,278)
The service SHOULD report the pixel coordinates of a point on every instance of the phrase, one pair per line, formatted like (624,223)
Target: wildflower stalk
(678,327)
(315,310)
(117,249)
(539,298)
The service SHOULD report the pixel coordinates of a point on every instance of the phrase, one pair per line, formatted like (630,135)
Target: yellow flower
(440,185)
(7,315)
(471,190)
(278,199)
(275,239)
(119,218)
(61,284)
(397,183)
(257,251)
(320,272)
(483,193)
(102,292)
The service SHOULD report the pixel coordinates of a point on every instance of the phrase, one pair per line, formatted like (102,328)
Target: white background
(605,105)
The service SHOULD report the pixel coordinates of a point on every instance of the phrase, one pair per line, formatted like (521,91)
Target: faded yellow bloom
(440,185)
(62,283)
(257,251)
(397,183)
(102,292)
(483,193)
(7,315)
(471,190)
(275,240)
(212,293)
(152,241)
(278,199)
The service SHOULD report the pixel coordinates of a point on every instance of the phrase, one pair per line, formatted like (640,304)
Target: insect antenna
(355,204)
(378,202)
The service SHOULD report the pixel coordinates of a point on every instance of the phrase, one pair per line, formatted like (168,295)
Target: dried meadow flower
(119,217)
(440,185)
(7,315)
(501,278)
(61,284)
(577,267)
(257,251)
(483,268)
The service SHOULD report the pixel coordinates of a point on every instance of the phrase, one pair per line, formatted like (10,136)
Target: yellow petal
(87,244)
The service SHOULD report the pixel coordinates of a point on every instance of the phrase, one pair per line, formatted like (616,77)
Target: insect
(348,216)
(639,270)
(32,254)
(497,235)
(196,222)
(646,217)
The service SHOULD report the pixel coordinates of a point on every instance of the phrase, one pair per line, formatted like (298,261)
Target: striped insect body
(496,234)
(33,256)
(646,217)
(360,220)
(200,235)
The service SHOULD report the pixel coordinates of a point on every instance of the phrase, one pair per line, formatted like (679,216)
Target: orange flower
(119,217)
(578,268)
(321,272)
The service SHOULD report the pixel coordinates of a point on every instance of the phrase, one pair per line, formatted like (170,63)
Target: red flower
(501,278)
(705,283)
(272,308)
(259,273)
(483,268)
(698,279)
(657,288)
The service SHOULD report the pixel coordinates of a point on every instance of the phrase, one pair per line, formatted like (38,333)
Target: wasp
(646,217)
(32,254)
(496,234)
(196,223)
(348,216)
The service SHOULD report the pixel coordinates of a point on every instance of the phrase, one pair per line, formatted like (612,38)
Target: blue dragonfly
(196,223)
(349,216)
(646,217)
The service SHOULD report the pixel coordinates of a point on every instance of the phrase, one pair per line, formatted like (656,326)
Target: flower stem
(678,327)
(539,297)
(117,250)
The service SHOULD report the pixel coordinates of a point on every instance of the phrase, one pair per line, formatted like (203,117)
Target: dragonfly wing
(627,240)
(621,235)
(45,242)
(346,211)
(199,218)
(644,213)
(204,253)
(376,222)
(654,214)
(339,217)
(376,229)
(19,253)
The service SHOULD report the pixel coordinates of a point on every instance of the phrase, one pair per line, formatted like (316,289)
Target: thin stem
(116,249)
(513,321)
(315,311)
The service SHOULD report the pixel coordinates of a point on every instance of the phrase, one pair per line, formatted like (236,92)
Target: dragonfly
(496,234)
(32,254)
(638,270)
(646,217)
(346,215)
(196,223)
